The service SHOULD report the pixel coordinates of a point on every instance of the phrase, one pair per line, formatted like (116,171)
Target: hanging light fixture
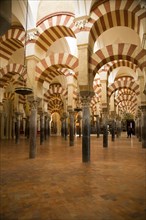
(23,90)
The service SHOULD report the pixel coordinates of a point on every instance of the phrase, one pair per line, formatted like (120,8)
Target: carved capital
(32,34)
(81,22)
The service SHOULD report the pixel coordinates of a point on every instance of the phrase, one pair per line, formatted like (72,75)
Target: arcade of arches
(84,64)
(88,55)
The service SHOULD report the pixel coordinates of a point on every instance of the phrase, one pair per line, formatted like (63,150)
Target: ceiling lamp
(23,90)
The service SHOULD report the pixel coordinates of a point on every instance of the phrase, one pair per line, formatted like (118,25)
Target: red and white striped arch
(9,71)
(125,97)
(55,27)
(97,85)
(120,51)
(94,100)
(8,96)
(55,105)
(55,88)
(127,106)
(11,41)
(115,13)
(119,63)
(118,84)
(47,69)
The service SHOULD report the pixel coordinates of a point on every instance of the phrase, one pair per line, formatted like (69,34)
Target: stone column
(143,126)
(49,129)
(105,130)
(65,116)
(117,127)
(62,127)
(113,130)
(33,129)
(42,123)
(2,126)
(71,128)
(13,126)
(27,127)
(97,126)
(46,126)
(139,126)
(136,127)
(85,98)
(17,127)
(113,125)
(79,120)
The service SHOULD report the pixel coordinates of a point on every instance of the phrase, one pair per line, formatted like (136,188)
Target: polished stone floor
(58,186)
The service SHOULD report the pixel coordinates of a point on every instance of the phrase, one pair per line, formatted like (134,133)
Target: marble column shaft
(42,124)
(46,128)
(86,130)
(113,130)
(97,126)
(17,127)
(79,126)
(71,129)
(33,131)
(143,126)
(139,128)
(105,130)
(27,127)
(2,126)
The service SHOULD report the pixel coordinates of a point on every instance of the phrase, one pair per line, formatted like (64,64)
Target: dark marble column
(139,127)
(65,116)
(136,127)
(71,128)
(113,130)
(27,127)
(49,129)
(118,127)
(42,127)
(62,127)
(33,130)
(46,126)
(2,125)
(105,129)
(85,98)
(143,126)
(17,127)
(13,126)
(79,120)
(97,126)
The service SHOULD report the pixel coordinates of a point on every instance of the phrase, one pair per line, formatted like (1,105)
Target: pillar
(71,127)
(42,124)
(143,126)
(27,127)
(33,129)
(105,130)
(17,127)
(113,128)
(2,125)
(79,120)
(85,98)
(65,116)
(139,127)
(97,126)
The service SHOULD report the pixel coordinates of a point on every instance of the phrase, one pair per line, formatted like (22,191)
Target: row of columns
(44,121)
(140,124)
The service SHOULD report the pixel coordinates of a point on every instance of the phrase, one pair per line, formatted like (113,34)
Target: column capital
(80,22)
(65,115)
(143,108)
(34,102)
(86,98)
